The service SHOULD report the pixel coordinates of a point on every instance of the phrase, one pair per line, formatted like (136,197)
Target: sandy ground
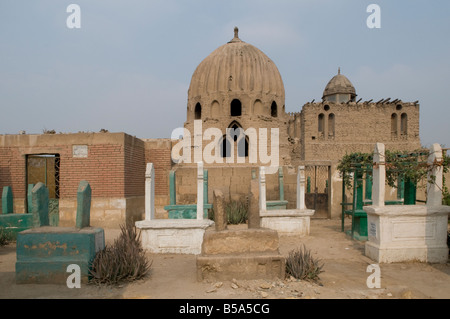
(174,276)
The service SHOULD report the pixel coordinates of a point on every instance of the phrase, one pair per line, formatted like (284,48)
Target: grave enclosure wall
(113,164)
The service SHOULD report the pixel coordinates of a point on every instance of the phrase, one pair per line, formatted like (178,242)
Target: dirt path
(174,276)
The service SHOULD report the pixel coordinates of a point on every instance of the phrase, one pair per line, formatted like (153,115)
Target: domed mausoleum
(238,86)
(236,111)
(237,79)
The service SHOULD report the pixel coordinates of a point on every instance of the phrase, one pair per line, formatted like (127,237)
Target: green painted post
(359,188)
(172,188)
(39,202)
(29,198)
(7,200)
(401,187)
(308,185)
(281,182)
(410,192)
(83,205)
(368,194)
(205,192)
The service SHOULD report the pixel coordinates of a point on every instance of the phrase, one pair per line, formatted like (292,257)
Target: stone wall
(234,182)
(357,127)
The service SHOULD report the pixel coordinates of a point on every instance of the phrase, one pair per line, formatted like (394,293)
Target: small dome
(339,84)
(236,67)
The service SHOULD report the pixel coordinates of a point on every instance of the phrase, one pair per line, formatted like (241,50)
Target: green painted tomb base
(43,254)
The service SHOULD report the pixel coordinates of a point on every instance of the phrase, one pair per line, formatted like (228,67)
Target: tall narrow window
(404,124)
(225,150)
(321,124)
(235,136)
(331,125)
(198,111)
(274,109)
(236,108)
(394,124)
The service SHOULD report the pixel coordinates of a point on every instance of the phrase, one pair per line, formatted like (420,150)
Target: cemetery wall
(113,164)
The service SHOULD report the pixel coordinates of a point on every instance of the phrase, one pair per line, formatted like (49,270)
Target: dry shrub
(302,265)
(124,261)
(5,237)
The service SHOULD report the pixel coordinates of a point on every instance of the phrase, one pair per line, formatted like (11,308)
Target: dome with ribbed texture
(339,84)
(236,68)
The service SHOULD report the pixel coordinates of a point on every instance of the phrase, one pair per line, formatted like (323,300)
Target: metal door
(317,190)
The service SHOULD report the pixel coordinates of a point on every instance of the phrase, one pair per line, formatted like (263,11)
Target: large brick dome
(236,70)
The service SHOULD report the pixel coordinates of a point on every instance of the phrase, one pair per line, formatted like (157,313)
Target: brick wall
(134,167)
(114,165)
(158,152)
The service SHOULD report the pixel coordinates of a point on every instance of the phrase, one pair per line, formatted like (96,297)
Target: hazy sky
(128,68)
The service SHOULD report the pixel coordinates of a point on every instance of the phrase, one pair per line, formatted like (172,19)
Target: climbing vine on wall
(410,166)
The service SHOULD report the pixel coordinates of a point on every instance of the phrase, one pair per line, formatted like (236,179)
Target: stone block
(44,253)
(288,221)
(173,236)
(118,203)
(241,267)
(240,241)
(407,233)
(100,203)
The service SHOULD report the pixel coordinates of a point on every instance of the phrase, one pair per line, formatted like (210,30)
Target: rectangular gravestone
(83,205)
(29,198)
(253,205)
(39,202)
(220,216)
(7,200)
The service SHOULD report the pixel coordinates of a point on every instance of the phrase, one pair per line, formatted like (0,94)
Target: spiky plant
(302,265)
(124,261)
(237,212)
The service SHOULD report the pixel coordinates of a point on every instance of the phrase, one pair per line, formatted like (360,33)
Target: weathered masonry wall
(330,130)
(113,164)
(234,182)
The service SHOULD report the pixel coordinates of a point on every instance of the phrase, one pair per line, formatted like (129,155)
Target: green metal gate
(44,168)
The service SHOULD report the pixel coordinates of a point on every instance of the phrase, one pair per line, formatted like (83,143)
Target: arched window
(331,118)
(404,124)
(236,108)
(198,111)
(274,109)
(394,124)
(225,150)
(235,134)
(321,124)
